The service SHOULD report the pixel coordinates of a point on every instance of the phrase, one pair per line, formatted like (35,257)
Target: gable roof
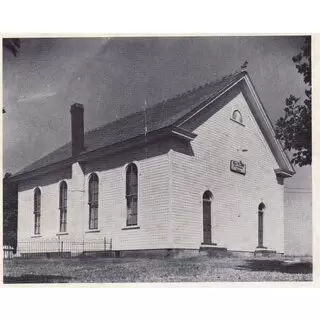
(162,115)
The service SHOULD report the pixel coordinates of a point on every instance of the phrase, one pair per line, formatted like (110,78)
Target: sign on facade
(237,166)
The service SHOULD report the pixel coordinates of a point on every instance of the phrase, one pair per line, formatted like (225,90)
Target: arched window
(206,212)
(37,210)
(236,116)
(132,194)
(207,196)
(63,197)
(261,209)
(93,201)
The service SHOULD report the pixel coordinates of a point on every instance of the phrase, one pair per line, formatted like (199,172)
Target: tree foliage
(12,45)
(294,129)
(10,211)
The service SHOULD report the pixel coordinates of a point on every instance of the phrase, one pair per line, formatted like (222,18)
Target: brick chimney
(77,128)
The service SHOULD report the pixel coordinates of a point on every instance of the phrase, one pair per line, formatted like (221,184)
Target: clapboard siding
(49,186)
(236,196)
(153,201)
(298,222)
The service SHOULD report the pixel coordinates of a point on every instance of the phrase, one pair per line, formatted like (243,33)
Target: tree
(12,45)
(10,211)
(294,129)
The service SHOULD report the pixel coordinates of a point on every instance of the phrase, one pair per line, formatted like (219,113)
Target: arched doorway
(261,209)
(206,208)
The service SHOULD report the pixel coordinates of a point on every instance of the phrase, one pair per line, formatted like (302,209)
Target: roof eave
(42,170)
(138,141)
(183,134)
(111,149)
(286,161)
(284,173)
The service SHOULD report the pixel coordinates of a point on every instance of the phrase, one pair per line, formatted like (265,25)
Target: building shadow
(34,278)
(277,266)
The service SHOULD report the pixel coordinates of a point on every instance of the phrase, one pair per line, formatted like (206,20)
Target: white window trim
(124,177)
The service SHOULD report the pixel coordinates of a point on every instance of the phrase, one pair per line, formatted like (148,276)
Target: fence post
(105,243)
(61,246)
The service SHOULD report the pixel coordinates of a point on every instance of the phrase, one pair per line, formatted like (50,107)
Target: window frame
(131,194)
(234,119)
(37,211)
(63,206)
(207,198)
(93,201)
(261,213)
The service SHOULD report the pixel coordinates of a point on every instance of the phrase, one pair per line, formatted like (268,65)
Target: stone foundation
(211,251)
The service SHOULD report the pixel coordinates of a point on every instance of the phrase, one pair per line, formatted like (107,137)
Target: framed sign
(238,166)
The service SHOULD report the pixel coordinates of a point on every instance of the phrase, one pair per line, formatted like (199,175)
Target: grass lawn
(194,269)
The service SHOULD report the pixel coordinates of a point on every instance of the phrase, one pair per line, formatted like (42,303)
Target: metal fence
(8,252)
(58,248)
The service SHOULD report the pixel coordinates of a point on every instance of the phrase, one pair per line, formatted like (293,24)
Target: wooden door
(207,221)
(260,229)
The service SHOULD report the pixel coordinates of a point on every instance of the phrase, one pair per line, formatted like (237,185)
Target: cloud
(36,96)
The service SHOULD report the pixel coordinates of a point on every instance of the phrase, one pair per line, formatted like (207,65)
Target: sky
(113,77)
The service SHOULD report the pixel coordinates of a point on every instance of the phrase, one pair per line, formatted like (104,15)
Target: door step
(213,249)
(208,245)
(264,252)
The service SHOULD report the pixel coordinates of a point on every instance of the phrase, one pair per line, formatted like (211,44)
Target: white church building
(202,170)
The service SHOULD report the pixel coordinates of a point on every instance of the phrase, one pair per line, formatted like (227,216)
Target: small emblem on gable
(237,166)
